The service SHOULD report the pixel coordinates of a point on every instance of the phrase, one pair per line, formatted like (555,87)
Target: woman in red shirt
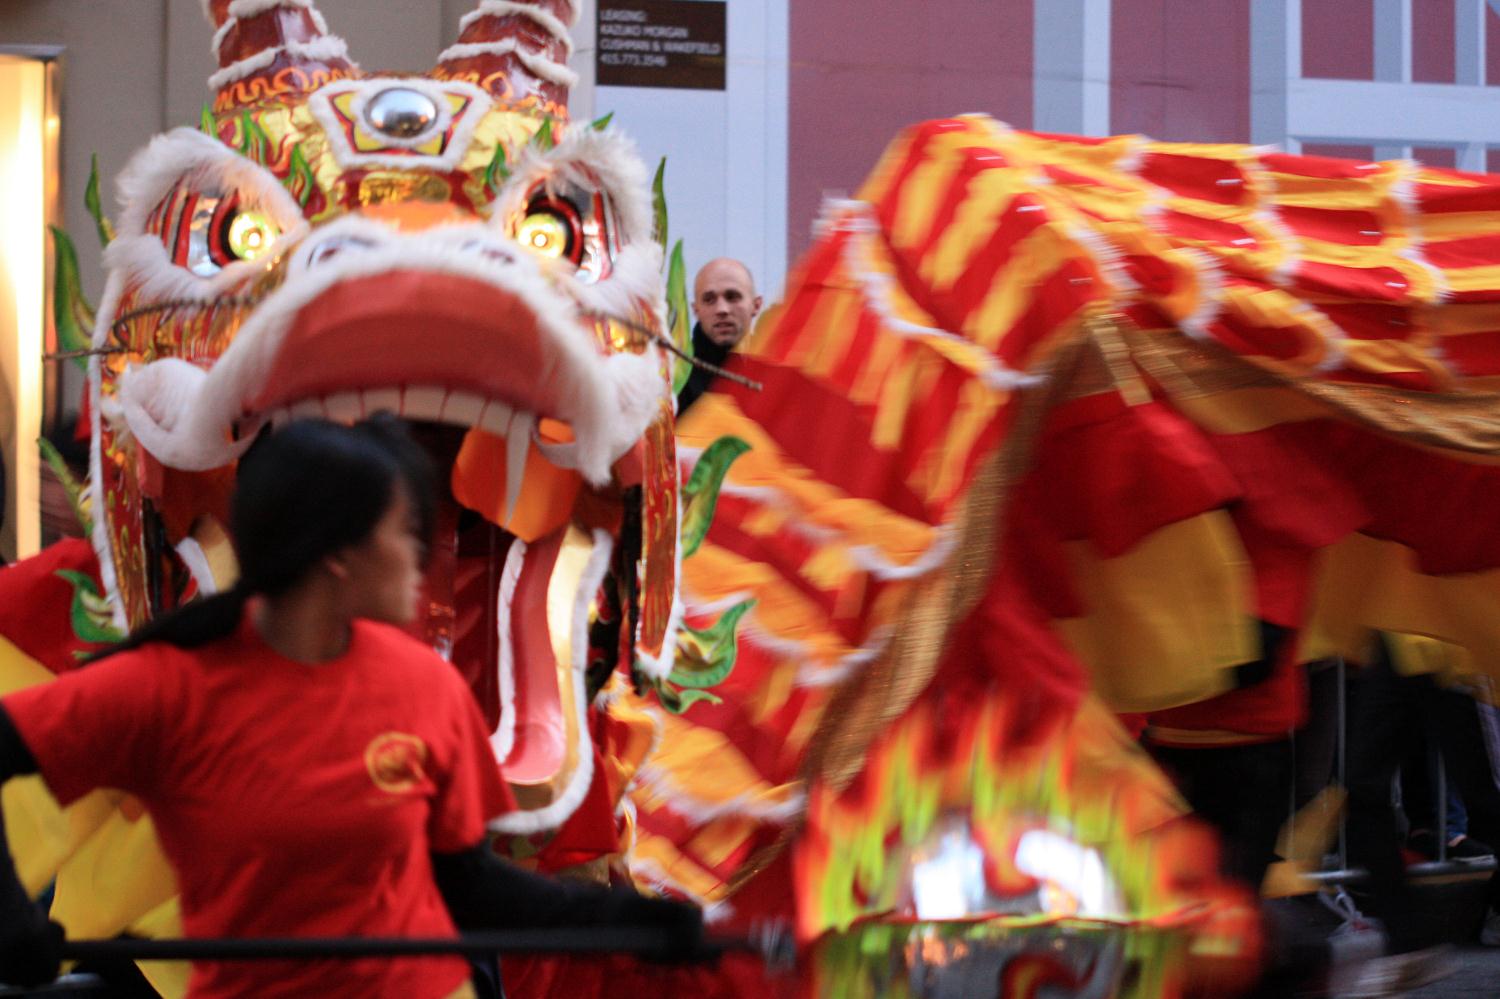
(310,769)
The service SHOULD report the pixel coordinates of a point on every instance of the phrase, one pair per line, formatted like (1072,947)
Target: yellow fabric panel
(1443,226)
(1084,157)
(1383,356)
(1363,584)
(1371,192)
(18,670)
(115,879)
(1168,618)
(705,766)
(661,853)
(41,834)
(164,922)
(1472,278)
(714,574)
(1382,254)
(1231,152)
(1449,664)
(861,522)
(1109,201)
(716,842)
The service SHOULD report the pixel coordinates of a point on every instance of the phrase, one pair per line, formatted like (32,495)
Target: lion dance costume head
(446,247)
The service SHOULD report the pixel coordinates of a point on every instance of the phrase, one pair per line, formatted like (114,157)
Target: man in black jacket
(725,304)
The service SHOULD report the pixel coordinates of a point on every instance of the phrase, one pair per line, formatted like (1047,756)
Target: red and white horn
(265,38)
(515,49)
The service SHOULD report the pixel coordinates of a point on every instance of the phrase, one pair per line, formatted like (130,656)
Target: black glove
(682,921)
(30,947)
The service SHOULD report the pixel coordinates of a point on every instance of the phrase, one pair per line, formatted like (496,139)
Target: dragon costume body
(1042,430)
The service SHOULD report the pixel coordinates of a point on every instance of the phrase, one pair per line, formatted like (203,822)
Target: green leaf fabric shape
(72,315)
(701,494)
(90,611)
(544,139)
(679,318)
(253,139)
(70,484)
(600,124)
(659,201)
(300,179)
(706,657)
(92,202)
(497,173)
(206,123)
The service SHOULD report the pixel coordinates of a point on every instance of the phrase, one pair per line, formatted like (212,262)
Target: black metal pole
(651,942)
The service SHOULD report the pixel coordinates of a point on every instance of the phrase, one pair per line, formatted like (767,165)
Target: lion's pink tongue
(540,745)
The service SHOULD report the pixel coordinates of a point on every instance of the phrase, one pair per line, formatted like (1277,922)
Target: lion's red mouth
(414,328)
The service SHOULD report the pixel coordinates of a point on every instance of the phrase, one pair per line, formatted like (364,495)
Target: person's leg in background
(1316,743)
(1384,720)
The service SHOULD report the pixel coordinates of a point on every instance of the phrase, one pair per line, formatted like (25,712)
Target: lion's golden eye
(251,235)
(546,233)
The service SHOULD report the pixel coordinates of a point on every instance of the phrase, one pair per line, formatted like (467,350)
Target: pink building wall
(860,70)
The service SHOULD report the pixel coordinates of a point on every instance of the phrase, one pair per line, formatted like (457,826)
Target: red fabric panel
(1196,227)
(1478,251)
(1324,167)
(814,424)
(1216,181)
(1473,354)
(1381,284)
(35,603)
(1333,225)
(1114,473)
(1371,320)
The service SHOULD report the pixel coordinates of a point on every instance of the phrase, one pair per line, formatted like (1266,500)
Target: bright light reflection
(23,256)
(949,884)
(1073,878)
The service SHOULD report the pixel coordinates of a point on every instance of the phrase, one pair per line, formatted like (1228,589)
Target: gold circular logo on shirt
(395,761)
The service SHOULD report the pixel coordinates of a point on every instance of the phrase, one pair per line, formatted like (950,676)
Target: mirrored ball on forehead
(401,112)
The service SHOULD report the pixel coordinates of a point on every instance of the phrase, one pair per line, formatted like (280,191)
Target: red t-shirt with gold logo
(293,800)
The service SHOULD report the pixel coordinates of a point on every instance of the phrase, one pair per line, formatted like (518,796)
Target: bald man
(725,304)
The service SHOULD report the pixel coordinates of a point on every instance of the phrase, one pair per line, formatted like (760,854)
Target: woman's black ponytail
(205,620)
(303,493)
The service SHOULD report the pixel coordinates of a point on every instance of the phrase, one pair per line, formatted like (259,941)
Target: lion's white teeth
(388,399)
(517,443)
(308,408)
(462,409)
(496,418)
(345,406)
(423,402)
